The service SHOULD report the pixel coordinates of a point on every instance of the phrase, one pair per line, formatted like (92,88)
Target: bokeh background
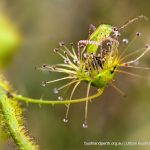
(112,117)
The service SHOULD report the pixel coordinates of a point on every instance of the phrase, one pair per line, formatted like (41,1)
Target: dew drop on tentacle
(55,91)
(44,83)
(125,41)
(60,98)
(56,50)
(75,61)
(65,52)
(65,120)
(138,34)
(147,45)
(115,28)
(62,43)
(44,66)
(85,125)
(66,61)
(116,34)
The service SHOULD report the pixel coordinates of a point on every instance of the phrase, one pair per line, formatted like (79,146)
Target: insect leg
(113,40)
(91,29)
(133,20)
(84,44)
(99,43)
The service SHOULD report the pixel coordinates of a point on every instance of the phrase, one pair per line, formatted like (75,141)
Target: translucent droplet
(62,43)
(55,91)
(60,98)
(65,120)
(55,50)
(115,28)
(125,41)
(116,33)
(75,61)
(44,66)
(147,46)
(138,34)
(85,125)
(44,83)
(65,52)
(66,61)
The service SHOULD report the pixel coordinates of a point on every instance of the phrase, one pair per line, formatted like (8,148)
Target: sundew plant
(93,61)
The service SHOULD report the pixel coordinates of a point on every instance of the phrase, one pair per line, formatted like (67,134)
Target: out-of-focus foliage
(9,40)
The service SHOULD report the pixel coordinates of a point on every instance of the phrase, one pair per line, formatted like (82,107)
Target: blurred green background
(42,25)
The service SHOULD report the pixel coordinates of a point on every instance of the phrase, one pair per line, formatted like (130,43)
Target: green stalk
(12,118)
(53,102)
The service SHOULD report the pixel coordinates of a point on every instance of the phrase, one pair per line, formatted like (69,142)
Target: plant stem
(12,117)
(53,102)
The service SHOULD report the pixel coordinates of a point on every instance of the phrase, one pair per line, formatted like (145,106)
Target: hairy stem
(12,118)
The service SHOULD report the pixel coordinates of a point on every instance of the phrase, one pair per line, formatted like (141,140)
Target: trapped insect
(95,61)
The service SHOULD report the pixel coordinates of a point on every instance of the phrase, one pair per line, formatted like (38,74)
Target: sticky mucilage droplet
(55,91)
